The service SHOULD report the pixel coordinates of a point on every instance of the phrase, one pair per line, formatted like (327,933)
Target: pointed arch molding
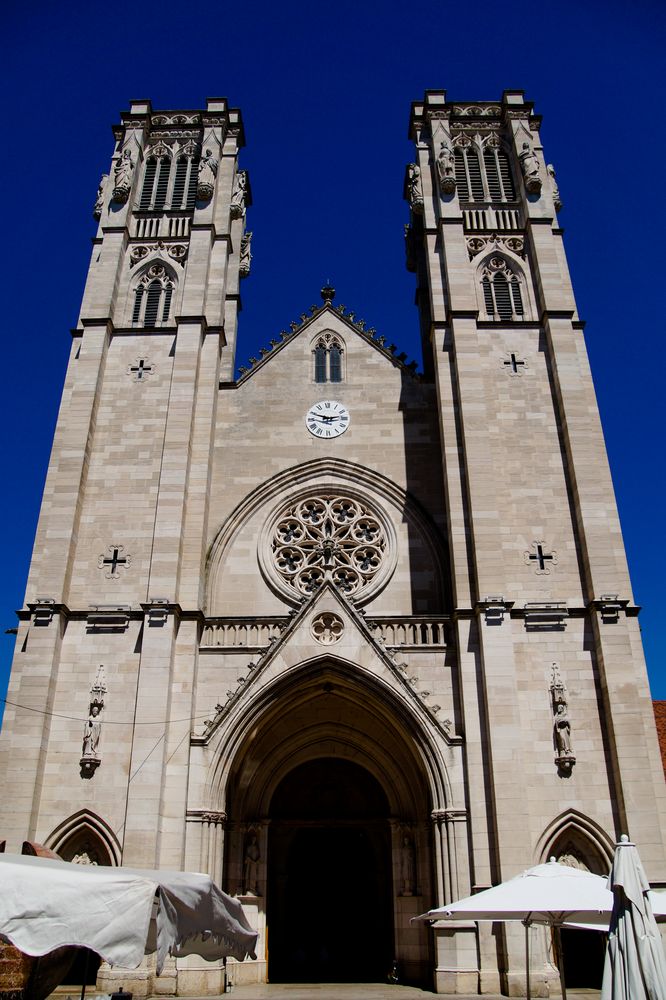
(580,828)
(85,822)
(257,745)
(329,474)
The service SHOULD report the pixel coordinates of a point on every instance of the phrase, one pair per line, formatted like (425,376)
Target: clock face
(327,419)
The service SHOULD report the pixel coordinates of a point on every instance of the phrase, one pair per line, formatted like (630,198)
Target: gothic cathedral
(368,664)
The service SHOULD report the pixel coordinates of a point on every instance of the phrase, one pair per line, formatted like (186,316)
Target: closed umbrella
(635,967)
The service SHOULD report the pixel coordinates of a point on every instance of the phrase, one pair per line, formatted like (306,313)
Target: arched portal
(329,843)
(328,797)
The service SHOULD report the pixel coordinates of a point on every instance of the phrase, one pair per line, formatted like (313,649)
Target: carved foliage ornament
(328,537)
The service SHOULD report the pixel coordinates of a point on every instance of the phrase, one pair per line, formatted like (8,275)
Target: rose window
(328,537)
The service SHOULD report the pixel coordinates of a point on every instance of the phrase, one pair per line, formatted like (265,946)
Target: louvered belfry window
(170,184)
(152,297)
(502,296)
(485,177)
(327,355)
(155,183)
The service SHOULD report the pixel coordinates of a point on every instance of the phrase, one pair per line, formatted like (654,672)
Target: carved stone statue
(529,164)
(407,867)
(414,188)
(251,865)
(557,201)
(92,728)
(99,201)
(122,177)
(562,729)
(92,731)
(446,167)
(207,174)
(245,255)
(238,195)
(564,756)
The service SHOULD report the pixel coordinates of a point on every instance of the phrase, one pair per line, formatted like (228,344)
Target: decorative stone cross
(513,364)
(540,556)
(140,369)
(114,561)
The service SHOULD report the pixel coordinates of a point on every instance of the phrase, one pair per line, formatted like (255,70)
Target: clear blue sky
(325,92)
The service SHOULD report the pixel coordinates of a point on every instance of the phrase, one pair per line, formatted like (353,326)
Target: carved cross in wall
(140,369)
(513,364)
(113,561)
(540,556)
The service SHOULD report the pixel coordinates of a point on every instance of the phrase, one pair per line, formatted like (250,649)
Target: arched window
(485,177)
(168,183)
(155,183)
(501,291)
(185,182)
(327,352)
(152,297)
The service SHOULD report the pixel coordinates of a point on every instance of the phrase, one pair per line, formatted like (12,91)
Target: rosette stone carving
(328,537)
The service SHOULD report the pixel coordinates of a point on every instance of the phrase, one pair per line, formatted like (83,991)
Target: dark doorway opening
(584,953)
(329,876)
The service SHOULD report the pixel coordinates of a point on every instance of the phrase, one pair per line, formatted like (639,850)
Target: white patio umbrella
(635,966)
(551,894)
(119,913)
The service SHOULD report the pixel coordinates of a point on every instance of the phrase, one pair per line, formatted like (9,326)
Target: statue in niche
(99,201)
(529,164)
(251,859)
(446,167)
(414,188)
(92,728)
(238,195)
(92,731)
(557,201)
(245,255)
(564,757)
(407,866)
(122,177)
(562,729)
(206,177)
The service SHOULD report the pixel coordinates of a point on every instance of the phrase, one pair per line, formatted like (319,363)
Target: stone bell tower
(127,489)
(548,637)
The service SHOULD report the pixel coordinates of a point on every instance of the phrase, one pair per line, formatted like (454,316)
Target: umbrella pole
(85,975)
(527,957)
(560,960)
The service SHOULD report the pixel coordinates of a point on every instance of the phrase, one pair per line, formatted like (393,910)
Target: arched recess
(86,839)
(572,838)
(502,264)
(333,474)
(337,718)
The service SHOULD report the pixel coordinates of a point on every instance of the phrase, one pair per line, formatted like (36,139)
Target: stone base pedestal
(457,969)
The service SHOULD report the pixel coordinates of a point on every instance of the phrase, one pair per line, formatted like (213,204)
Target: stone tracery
(328,537)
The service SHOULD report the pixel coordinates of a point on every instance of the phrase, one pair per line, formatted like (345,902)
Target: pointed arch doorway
(328,785)
(329,884)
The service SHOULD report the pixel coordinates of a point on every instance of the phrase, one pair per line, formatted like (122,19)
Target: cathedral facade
(354,639)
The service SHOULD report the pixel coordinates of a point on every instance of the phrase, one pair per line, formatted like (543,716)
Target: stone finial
(328,293)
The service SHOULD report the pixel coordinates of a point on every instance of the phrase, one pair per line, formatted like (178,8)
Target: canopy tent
(635,966)
(552,894)
(119,913)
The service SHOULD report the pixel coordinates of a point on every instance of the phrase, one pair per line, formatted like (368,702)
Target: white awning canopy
(119,913)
